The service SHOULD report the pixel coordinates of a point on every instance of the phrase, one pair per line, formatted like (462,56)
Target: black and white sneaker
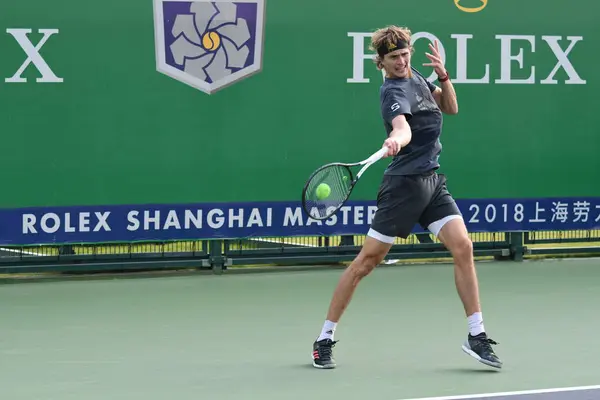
(480,348)
(322,354)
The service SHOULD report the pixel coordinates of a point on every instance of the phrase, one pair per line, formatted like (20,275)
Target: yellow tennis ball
(323,191)
(211,41)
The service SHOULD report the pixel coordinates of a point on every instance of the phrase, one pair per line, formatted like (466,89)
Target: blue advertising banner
(268,219)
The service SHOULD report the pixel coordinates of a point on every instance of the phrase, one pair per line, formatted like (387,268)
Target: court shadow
(465,370)
(307,366)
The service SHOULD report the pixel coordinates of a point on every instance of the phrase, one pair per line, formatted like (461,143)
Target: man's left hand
(436,60)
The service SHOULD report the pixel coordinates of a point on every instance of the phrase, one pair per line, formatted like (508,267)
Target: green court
(249,335)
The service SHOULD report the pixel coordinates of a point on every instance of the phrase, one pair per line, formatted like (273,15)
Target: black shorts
(405,200)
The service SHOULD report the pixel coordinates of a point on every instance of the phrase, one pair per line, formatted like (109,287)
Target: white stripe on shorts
(436,226)
(382,238)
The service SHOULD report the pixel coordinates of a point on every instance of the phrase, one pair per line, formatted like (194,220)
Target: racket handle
(382,152)
(377,156)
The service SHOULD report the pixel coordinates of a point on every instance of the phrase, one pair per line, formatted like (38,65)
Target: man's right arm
(399,137)
(396,111)
(401,132)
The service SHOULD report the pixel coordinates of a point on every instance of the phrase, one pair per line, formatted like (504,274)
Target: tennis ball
(323,191)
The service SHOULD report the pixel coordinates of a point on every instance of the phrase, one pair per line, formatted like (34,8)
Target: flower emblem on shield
(209,44)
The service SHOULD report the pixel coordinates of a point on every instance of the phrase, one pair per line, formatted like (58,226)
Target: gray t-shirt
(413,98)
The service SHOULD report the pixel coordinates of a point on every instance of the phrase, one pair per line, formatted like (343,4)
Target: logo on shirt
(395,107)
(209,44)
(425,103)
(471,9)
(420,103)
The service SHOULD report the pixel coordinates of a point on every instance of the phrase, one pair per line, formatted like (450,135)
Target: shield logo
(209,45)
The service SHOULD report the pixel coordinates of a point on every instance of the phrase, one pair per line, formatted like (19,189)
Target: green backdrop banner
(177,102)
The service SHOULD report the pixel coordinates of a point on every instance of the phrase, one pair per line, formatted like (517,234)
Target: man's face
(397,63)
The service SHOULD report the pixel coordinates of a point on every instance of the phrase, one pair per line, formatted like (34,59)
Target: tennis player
(412,191)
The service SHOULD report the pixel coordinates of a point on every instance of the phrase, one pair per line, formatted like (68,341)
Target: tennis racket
(329,187)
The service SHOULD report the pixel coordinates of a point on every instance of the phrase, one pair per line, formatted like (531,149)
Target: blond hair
(388,36)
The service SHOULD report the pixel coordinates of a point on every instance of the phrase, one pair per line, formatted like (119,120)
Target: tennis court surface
(249,336)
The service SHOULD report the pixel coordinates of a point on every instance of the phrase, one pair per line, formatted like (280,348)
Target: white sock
(328,330)
(476,324)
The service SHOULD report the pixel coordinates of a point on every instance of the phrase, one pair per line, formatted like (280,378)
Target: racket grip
(381,153)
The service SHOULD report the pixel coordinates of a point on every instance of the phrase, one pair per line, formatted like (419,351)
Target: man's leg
(371,255)
(374,250)
(452,232)
(400,202)
(443,218)
(456,239)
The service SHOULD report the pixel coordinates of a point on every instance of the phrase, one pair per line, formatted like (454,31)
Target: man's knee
(365,263)
(462,248)
(372,254)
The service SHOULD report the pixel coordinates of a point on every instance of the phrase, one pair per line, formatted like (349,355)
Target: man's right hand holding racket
(399,137)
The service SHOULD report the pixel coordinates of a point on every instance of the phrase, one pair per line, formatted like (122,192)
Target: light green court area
(249,336)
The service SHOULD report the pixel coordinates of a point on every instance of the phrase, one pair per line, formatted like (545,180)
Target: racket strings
(338,179)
